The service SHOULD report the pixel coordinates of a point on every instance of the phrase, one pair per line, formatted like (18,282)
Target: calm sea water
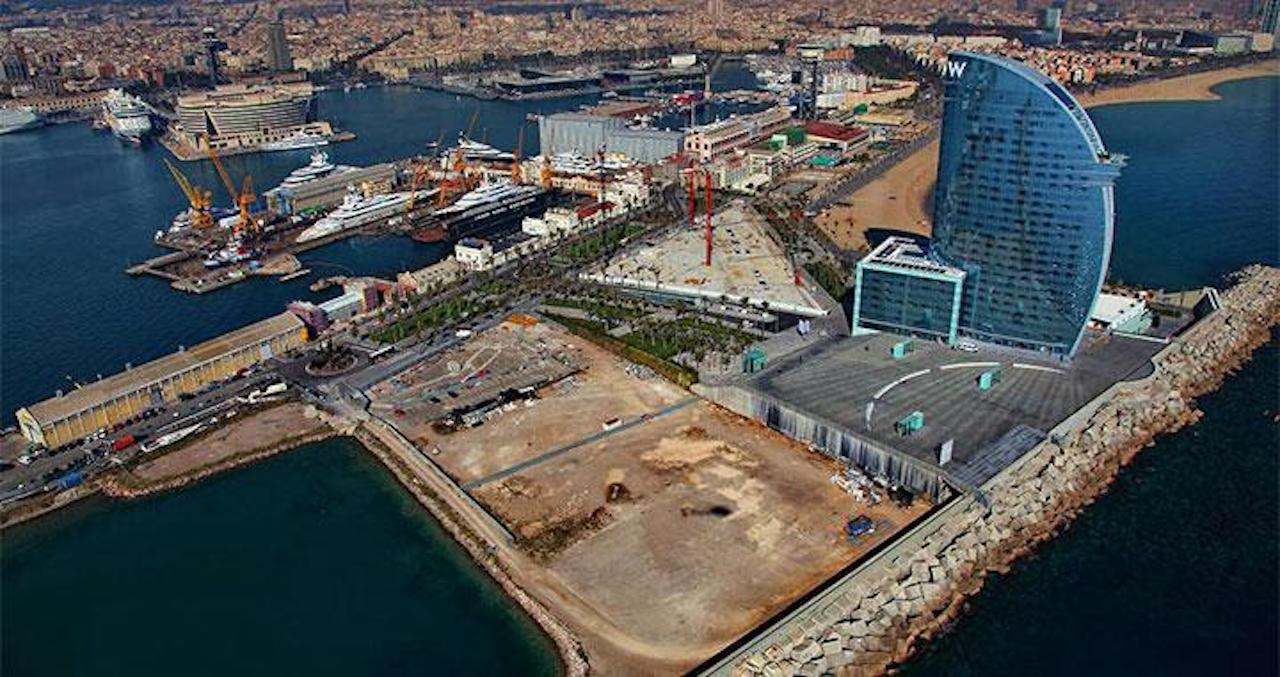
(314,562)
(1174,571)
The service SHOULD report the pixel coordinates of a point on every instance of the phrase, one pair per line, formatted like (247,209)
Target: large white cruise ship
(18,119)
(127,115)
(356,211)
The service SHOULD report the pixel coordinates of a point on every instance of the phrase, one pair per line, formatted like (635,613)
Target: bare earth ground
(244,434)
(565,412)
(662,543)
(899,199)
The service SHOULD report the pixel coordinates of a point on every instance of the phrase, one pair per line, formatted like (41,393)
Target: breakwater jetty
(867,620)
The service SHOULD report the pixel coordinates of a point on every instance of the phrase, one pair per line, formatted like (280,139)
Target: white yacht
(474,150)
(320,166)
(296,141)
(355,211)
(488,198)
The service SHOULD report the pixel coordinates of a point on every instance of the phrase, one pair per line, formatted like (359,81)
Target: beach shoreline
(900,198)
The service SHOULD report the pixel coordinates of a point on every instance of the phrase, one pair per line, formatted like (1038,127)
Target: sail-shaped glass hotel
(1023,206)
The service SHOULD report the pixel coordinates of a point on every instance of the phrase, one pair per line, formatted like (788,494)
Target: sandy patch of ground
(249,432)
(1194,87)
(662,543)
(897,199)
(563,413)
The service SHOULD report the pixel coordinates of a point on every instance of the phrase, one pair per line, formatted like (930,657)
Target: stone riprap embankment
(874,617)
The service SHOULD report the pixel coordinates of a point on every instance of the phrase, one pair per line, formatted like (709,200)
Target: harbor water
(316,561)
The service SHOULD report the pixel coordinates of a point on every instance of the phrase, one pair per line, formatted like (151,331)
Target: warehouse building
(587,135)
(113,400)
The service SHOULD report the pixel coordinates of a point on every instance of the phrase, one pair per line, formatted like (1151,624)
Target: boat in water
(17,119)
(296,141)
(483,152)
(483,209)
(319,167)
(126,115)
(489,196)
(355,211)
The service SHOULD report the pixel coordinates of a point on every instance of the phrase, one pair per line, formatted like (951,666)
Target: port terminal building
(244,116)
(587,134)
(114,400)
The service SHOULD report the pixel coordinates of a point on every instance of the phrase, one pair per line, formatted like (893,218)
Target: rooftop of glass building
(908,254)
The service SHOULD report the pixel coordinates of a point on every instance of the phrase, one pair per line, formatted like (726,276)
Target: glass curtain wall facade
(1023,204)
(906,302)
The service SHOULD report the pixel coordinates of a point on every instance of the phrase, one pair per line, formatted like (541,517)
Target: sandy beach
(899,199)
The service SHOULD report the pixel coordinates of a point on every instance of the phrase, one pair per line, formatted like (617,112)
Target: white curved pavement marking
(959,365)
(899,382)
(1036,367)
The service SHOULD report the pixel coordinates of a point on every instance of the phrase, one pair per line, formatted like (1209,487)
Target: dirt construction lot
(664,542)
(565,412)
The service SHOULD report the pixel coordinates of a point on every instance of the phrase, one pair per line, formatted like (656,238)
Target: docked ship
(319,167)
(296,141)
(483,152)
(126,115)
(18,119)
(355,211)
(484,209)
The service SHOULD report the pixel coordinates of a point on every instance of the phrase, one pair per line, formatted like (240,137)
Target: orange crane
(201,200)
(243,198)
(421,175)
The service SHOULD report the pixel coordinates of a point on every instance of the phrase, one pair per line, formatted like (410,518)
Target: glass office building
(898,289)
(1023,204)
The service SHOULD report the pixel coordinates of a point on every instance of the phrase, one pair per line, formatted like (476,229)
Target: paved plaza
(855,384)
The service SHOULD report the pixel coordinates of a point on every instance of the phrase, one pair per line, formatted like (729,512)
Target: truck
(69,480)
(124,442)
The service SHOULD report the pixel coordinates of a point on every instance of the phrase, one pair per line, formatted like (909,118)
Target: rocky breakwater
(876,616)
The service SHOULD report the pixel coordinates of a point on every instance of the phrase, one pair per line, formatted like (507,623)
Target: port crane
(421,175)
(458,183)
(243,199)
(199,198)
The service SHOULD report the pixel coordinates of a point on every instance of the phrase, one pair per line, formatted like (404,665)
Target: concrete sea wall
(871,618)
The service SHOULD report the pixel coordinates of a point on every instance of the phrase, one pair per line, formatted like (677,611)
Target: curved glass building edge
(1023,204)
